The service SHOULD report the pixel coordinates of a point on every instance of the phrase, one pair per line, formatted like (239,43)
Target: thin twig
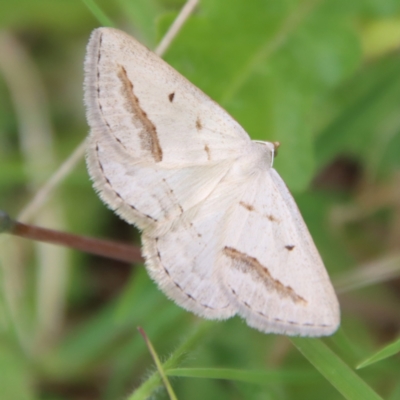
(69,164)
(43,194)
(369,274)
(176,26)
(104,248)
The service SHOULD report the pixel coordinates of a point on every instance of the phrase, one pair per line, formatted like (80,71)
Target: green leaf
(100,336)
(15,380)
(261,377)
(395,394)
(340,375)
(151,384)
(269,71)
(98,13)
(388,351)
(364,119)
(142,14)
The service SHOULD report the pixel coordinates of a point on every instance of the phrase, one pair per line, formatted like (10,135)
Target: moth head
(276,147)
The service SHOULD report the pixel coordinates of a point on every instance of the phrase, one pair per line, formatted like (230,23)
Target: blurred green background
(323,78)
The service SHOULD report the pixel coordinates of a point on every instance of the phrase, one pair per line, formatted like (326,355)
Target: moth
(221,234)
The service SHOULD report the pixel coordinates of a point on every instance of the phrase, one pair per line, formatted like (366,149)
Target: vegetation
(321,77)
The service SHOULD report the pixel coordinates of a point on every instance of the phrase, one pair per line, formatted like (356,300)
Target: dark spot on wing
(199,125)
(147,131)
(272,218)
(247,206)
(207,150)
(250,265)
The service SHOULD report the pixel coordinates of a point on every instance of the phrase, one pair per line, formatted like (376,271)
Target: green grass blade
(395,394)
(145,390)
(98,13)
(159,365)
(260,377)
(339,374)
(387,351)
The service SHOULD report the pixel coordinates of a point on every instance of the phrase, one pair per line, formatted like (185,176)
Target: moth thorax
(268,150)
(257,157)
(262,154)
